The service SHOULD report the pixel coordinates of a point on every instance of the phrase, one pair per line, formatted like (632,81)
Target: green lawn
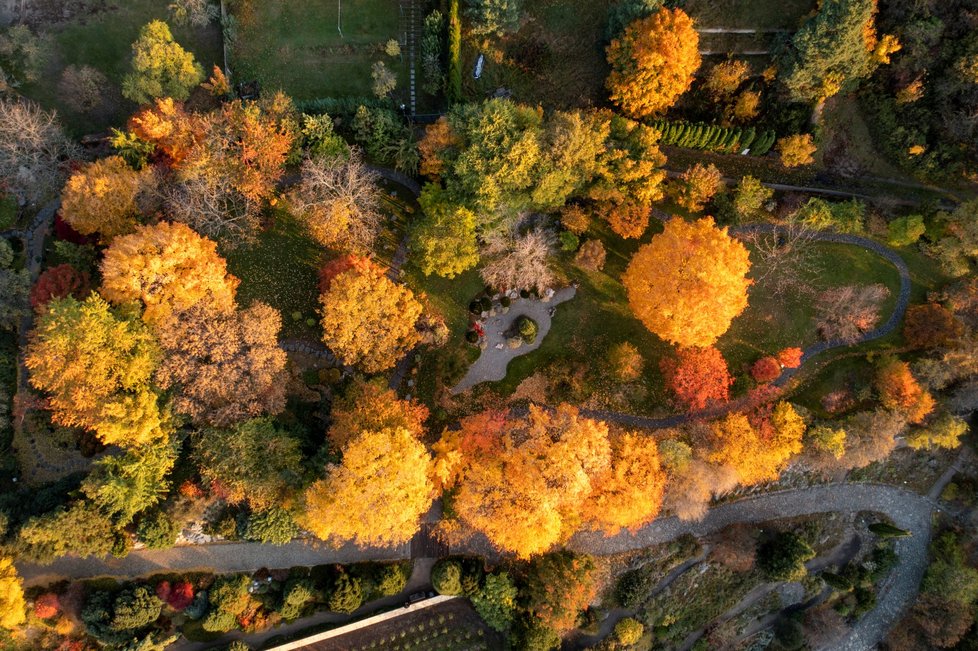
(104,40)
(294,45)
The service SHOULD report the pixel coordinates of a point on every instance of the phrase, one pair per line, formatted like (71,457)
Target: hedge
(712,137)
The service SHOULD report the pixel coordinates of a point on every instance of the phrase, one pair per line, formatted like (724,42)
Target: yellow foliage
(689,282)
(734,442)
(101,198)
(168,267)
(12,604)
(372,406)
(377,495)
(628,494)
(796,150)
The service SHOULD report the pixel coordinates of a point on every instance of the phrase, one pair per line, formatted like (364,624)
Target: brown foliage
(931,326)
(766,369)
(83,88)
(846,313)
(591,256)
(575,219)
(698,377)
(736,548)
(933,622)
(57,282)
(519,262)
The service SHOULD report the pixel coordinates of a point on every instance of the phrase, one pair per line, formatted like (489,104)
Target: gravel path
(495,357)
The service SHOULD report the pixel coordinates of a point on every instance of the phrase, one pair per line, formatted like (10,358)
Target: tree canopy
(160,67)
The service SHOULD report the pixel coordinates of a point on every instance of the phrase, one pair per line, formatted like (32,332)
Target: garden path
(495,357)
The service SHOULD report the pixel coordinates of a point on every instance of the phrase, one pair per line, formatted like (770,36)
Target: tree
(629,219)
(496,601)
(845,314)
(443,240)
(790,357)
(697,376)
(870,437)
(371,406)
(900,391)
(368,319)
(697,186)
(521,479)
(274,525)
(384,81)
(223,367)
(83,88)
(626,362)
(558,587)
(197,13)
(446,577)
(123,486)
(23,56)
(347,594)
(575,219)
(493,17)
(628,631)
(653,63)
(832,50)
(255,461)
(14,289)
(757,454)
(689,282)
(766,369)
(34,152)
(12,606)
(945,432)
(783,557)
(828,440)
(157,530)
(438,137)
(160,67)
(376,495)
(796,150)
(724,78)
(59,281)
(750,197)
(628,493)
(906,231)
(591,256)
(956,249)
(931,326)
(97,366)
(515,262)
(103,197)
(338,201)
(168,268)
(81,530)
(229,598)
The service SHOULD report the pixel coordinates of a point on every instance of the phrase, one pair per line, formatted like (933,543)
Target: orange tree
(899,391)
(372,406)
(689,282)
(627,494)
(756,454)
(653,63)
(697,376)
(101,198)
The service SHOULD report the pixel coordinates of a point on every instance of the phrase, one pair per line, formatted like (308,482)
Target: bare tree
(846,313)
(34,152)
(338,199)
(519,262)
(212,206)
(783,257)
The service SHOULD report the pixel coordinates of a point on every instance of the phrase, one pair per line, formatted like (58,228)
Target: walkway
(495,357)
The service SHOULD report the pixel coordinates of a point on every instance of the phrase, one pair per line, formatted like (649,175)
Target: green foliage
(23,55)
(296,594)
(844,217)
(557,588)
(949,574)
(453,86)
(8,212)
(274,525)
(634,586)
(888,530)
(943,432)
(625,12)
(446,577)
(527,328)
(318,138)
(957,247)
(378,131)
(157,530)
(836,581)
(134,150)
(127,484)
(151,642)
(538,637)
(391,579)
(432,39)
(15,287)
(80,256)
(829,53)
(493,17)
(443,240)
(496,601)
(569,241)
(160,67)
(80,530)
(347,594)
(750,197)
(906,231)
(711,137)
(117,618)
(783,556)
(228,598)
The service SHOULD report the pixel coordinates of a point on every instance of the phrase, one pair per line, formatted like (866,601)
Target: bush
(887,530)
(391,579)
(47,605)
(505,301)
(485,303)
(634,587)
(569,241)
(783,557)
(628,631)
(527,328)
(157,530)
(446,577)
(198,607)
(229,598)
(347,594)
(905,231)
(711,137)
(472,336)
(453,85)
(591,256)
(766,369)
(574,219)
(295,596)
(496,601)
(274,526)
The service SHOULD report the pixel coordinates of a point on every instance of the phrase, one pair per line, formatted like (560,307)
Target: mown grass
(294,45)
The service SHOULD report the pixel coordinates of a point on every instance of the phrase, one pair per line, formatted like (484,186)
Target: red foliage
(790,357)
(47,606)
(59,282)
(64,231)
(697,376)
(191,490)
(766,369)
(334,268)
(181,595)
(163,590)
(72,645)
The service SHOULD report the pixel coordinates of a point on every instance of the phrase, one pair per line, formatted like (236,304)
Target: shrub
(228,598)
(157,530)
(766,369)
(505,301)
(391,579)
(790,357)
(887,530)
(485,303)
(47,605)
(634,586)
(496,601)
(628,631)
(135,608)
(347,594)
(905,231)
(527,328)
(446,577)
(431,52)
(453,86)
(295,596)
(569,241)
(783,557)
(198,607)
(472,336)
(626,362)
(796,150)
(274,525)
(574,219)
(591,256)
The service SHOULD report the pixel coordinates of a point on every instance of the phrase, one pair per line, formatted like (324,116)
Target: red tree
(697,376)
(59,282)
(766,369)
(47,606)
(790,357)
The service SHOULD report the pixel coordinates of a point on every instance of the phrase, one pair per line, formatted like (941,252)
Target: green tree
(493,17)
(625,12)
(274,525)
(496,601)
(558,587)
(124,485)
(160,67)
(15,287)
(750,197)
(228,598)
(945,432)
(296,594)
(783,557)
(80,530)
(905,231)
(157,529)
(443,239)
(446,577)
(347,594)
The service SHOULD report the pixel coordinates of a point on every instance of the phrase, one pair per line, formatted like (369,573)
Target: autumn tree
(692,481)
(166,128)
(59,281)
(558,588)
(12,605)
(958,247)
(339,202)
(653,62)
(697,186)
(371,406)
(931,325)
(870,437)
(846,313)
(160,67)
(103,197)
(376,495)
(756,455)
(629,167)
(167,267)
(34,152)
(591,256)
(796,150)
(628,493)
(766,369)
(15,286)
(83,87)
(255,462)
(368,319)
(790,357)
(689,282)
(575,219)
(724,78)
(96,365)
(493,17)
(438,137)
(626,362)
(519,262)
(443,240)
(944,432)
(520,480)
(223,367)
(750,197)
(899,391)
(628,219)
(697,377)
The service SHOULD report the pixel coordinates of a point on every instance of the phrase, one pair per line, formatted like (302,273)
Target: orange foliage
(790,357)
(697,185)
(437,138)
(697,376)
(930,325)
(756,455)
(653,62)
(101,198)
(766,369)
(796,150)
(628,494)
(629,219)
(336,266)
(689,282)
(899,391)
(166,125)
(47,605)
(372,406)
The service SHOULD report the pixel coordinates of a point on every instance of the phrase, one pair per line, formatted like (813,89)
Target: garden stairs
(410,28)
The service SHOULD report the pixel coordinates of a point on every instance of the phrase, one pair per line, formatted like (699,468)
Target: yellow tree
(796,150)
(521,480)
(168,267)
(653,62)
(12,604)
(371,406)
(368,319)
(697,186)
(97,368)
(757,454)
(101,198)
(376,495)
(628,494)
(689,282)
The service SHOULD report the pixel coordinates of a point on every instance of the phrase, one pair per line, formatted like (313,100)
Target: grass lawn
(104,40)
(294,45)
